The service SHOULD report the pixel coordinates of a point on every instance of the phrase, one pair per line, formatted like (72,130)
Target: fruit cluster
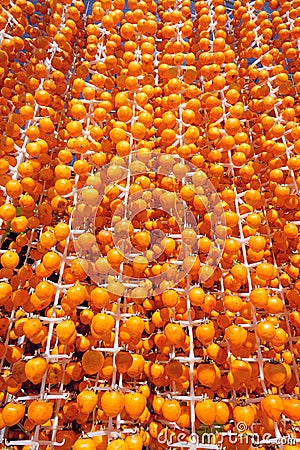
(149,208)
